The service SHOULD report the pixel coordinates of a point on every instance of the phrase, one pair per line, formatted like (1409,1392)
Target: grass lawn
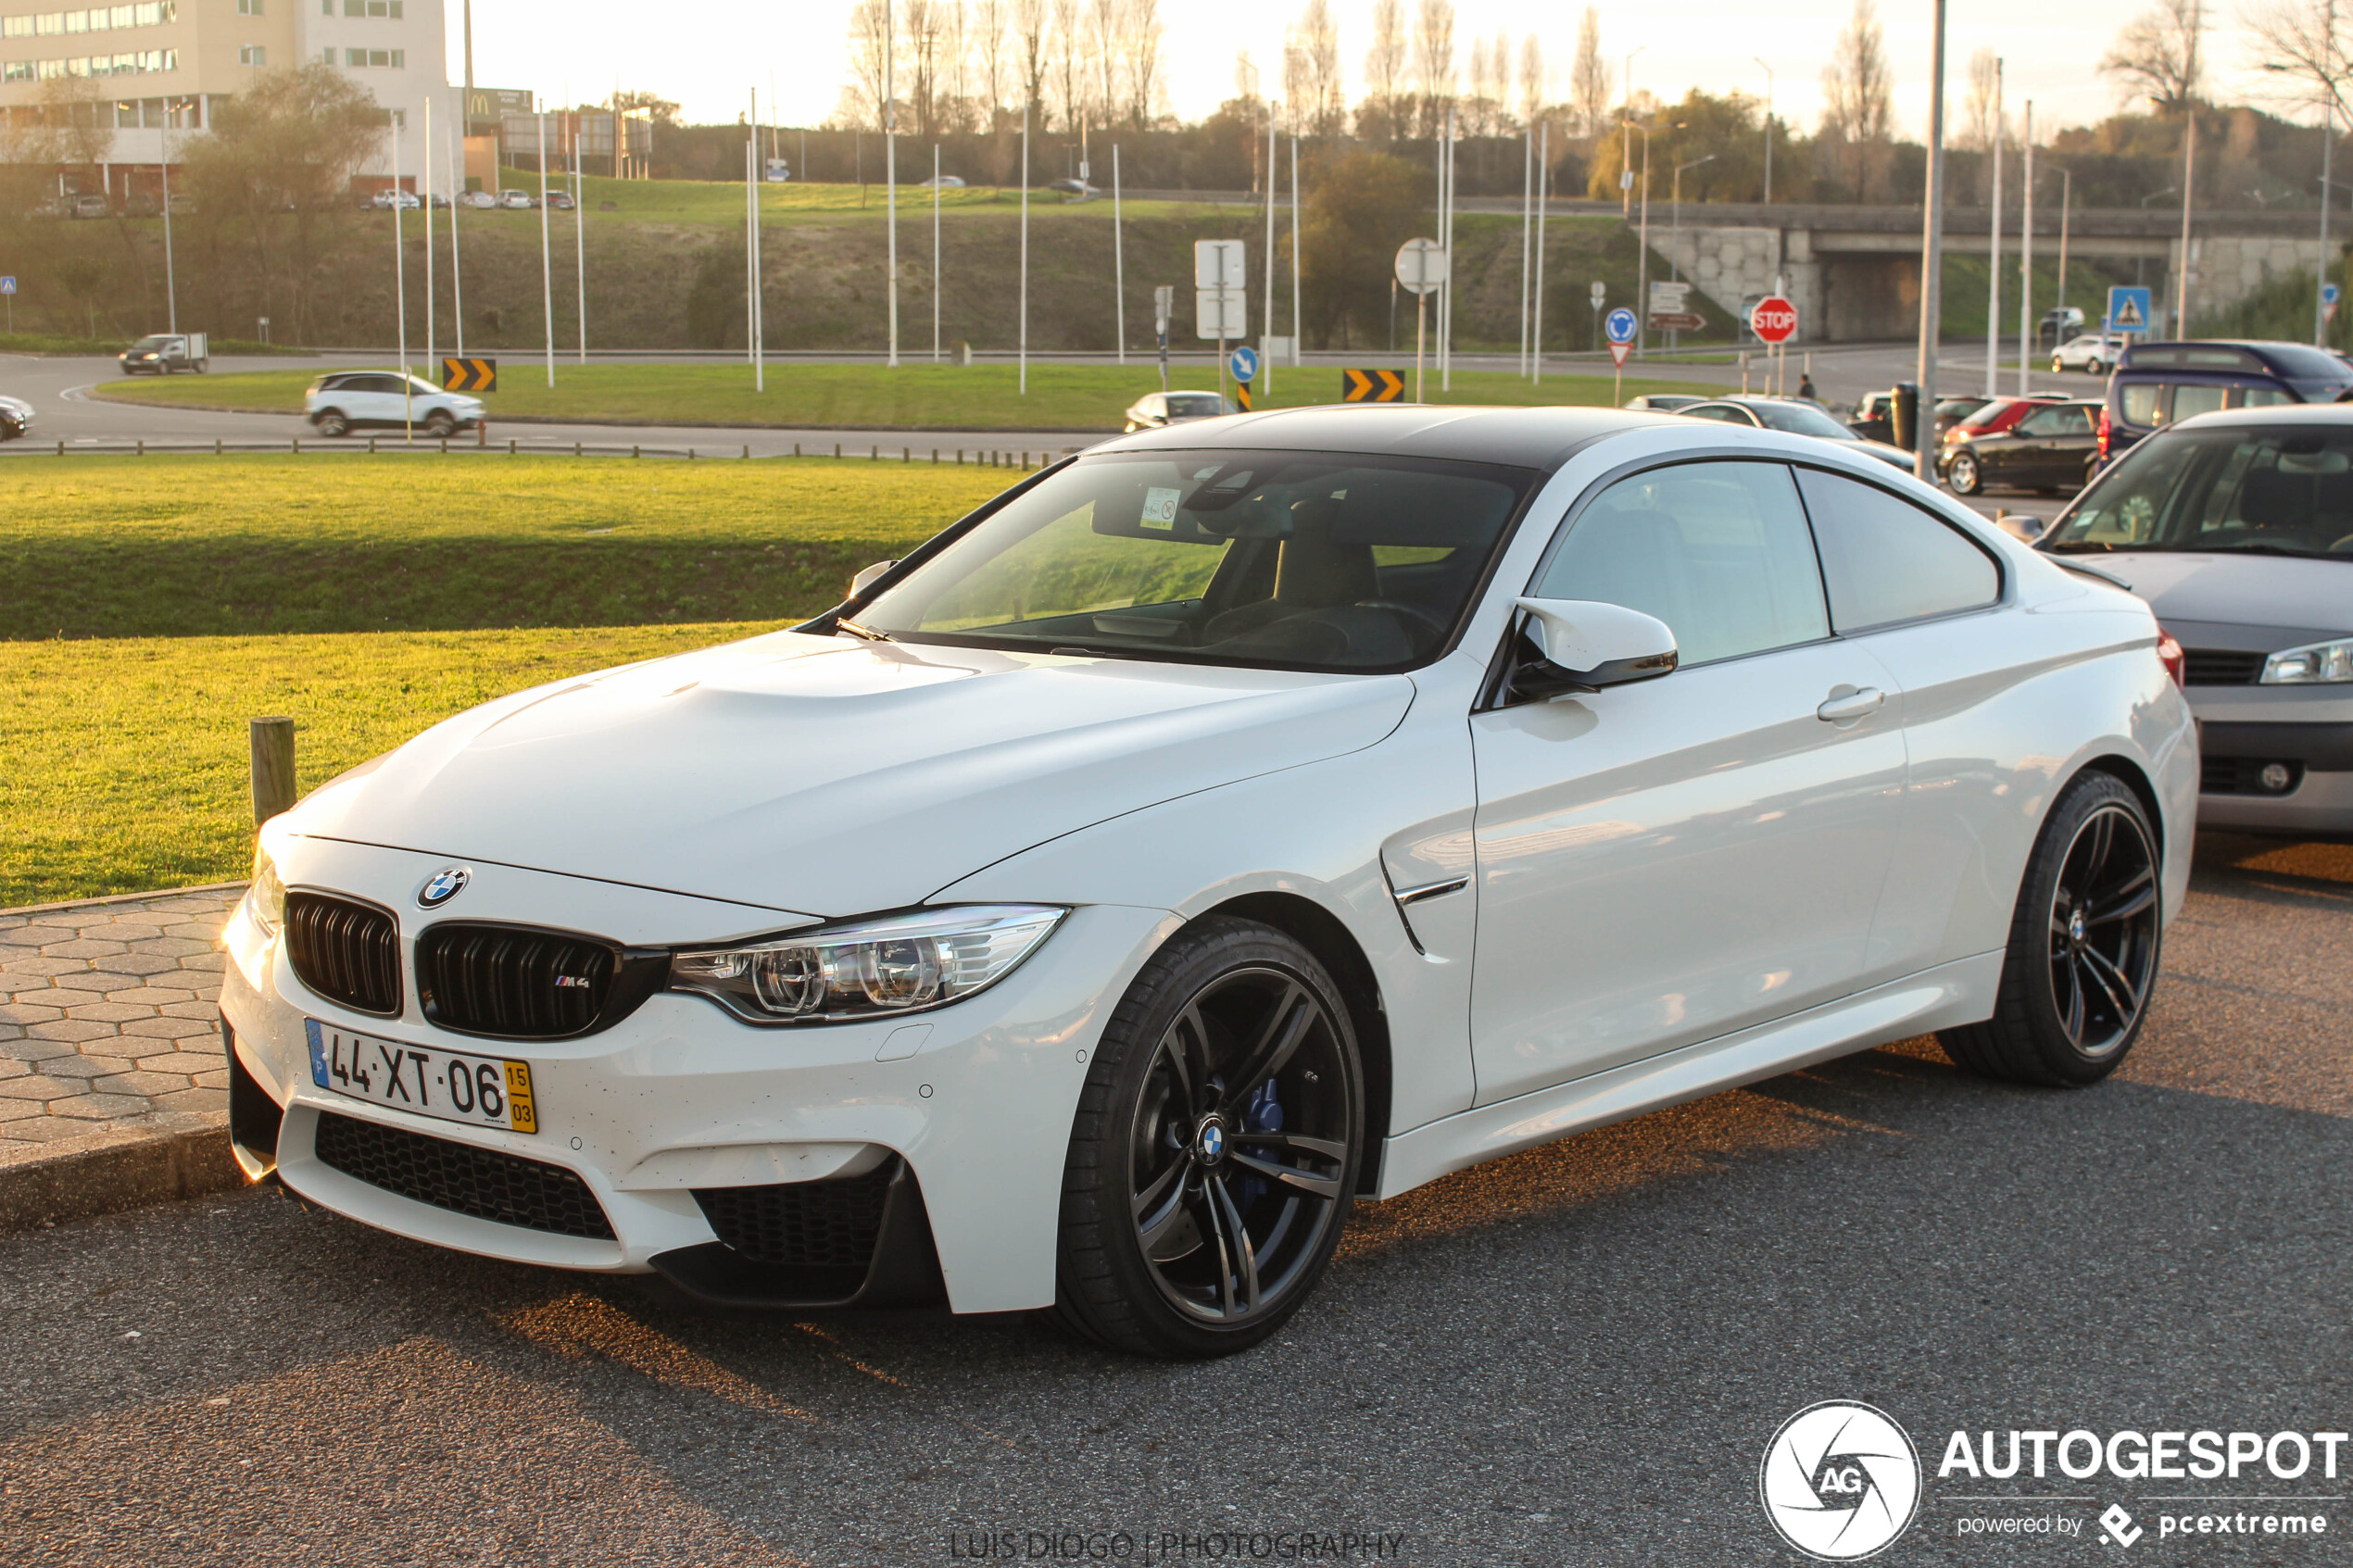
(189,545)
(715,201)
(1085,397)
(126,759)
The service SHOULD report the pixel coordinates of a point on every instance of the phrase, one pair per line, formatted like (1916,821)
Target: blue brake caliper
(1261,1114)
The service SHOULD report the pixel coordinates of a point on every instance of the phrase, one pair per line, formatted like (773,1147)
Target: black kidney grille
(2220,667)
(802,1224)
(347,951)
(511,982)
(482,1183)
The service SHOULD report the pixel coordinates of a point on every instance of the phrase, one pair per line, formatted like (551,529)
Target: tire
(332,423)
(439,425)
(2092,367)
(2083,947)
(1172,1243)
(1963,476)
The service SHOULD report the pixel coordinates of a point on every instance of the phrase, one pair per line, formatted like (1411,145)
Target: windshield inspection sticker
(1160,508)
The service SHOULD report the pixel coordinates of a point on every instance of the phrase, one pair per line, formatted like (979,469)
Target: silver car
(1796,417)
(1158,408)
(2237,528)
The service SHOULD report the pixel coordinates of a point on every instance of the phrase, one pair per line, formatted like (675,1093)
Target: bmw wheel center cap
(1210,1142)
(445,885)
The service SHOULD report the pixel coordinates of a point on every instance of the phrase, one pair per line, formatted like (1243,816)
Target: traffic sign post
(2128,310)
(1774,321)
(1371,386)
(1164,306)
(1221,295)
(1620,328)
(2328,296)
(1243,362)
(1421,270)
(8,292)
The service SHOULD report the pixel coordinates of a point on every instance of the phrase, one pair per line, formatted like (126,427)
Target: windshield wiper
(843,623)
(2263,550)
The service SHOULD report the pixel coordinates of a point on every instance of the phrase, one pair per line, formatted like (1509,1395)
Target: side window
(1886,560)
(2262,397)
(2189,400)
(1718,551)
(2142,403)
(1722,412)
(2078,421)
(2043,421)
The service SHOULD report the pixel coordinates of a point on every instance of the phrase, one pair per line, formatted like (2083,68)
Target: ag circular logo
(1840,1481)
(446,884)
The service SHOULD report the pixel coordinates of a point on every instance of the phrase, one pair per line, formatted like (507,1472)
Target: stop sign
(1774,320)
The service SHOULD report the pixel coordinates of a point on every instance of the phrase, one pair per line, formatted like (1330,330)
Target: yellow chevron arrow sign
(470,375)
(1372,386)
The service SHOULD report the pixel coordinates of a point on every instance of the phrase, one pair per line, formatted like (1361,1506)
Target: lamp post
(171,288)
(1994,256)
(1626,158)
(1768,127)
(1675,245)
(1932,259)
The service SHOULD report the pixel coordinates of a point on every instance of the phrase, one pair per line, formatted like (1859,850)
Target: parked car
(162,353)
(351,400)
(385,200)
(1663,402)
(91,206)
(1797,417)
(2049,447)
(1993,415)
(2161,383)
(1251,820)
(1874,417)
(16,417)
(522,201)
(561,201)
(1157,409)
(2090,353)
(182,204)
(2058,324)
(485,199)
(2237,528)
(944,182)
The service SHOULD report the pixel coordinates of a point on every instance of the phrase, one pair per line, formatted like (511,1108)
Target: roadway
(1574,1356)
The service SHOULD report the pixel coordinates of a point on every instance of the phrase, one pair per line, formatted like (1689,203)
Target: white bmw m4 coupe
(1234,822)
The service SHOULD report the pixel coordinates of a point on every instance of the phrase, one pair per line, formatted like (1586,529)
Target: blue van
(2162,383)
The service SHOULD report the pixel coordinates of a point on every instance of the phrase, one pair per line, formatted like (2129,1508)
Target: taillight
(2104,432)
(2169,653)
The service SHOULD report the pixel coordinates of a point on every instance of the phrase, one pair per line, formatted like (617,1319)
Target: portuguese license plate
(481,1091)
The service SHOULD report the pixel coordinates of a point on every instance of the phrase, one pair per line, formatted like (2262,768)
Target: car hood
(817,775)
(2220,588)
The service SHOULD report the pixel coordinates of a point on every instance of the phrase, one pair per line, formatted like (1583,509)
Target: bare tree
(1105,19)
(1385,65)
(1533,83)
(923,21)
(869,43)
(2305,42)
(992,67)
(1856,113)
(1324,97)
(2161,53)
(1070,63)
(1434,63)
(1031,31)
(1977,116)
(1589,86)
(1142,32)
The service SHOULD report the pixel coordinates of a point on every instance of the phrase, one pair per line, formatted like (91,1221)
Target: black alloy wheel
(2084,949)
(1216,1147)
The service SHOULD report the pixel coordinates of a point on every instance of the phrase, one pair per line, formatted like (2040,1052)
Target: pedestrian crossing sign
(2128,310)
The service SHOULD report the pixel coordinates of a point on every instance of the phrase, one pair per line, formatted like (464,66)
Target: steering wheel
(1437,632)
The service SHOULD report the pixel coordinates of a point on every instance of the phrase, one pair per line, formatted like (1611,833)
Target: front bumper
(2305,730)
(679,1095)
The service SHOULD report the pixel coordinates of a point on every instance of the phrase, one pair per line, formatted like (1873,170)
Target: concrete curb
(123,898)
(168,1161)
(101,396)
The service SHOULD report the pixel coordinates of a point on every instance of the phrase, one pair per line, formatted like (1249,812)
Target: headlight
(2314,664)
(868,969)
(266,899)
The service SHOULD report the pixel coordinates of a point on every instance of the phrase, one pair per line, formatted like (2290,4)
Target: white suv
(2089,352)
(355,399)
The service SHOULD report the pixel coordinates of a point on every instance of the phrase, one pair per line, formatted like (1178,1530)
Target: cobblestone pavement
(106,1016)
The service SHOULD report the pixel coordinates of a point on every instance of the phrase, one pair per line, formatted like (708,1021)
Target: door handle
(1849,704)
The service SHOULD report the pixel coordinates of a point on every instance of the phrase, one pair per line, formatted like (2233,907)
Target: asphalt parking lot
(1574,1356)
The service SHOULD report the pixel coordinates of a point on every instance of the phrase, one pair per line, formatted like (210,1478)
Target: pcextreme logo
(1840,1481)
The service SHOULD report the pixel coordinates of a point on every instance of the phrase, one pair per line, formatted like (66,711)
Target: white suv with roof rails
(351,400)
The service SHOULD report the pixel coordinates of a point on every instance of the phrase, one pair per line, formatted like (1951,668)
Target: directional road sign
(2128,310)
(1219,264)
(1221,313)
(1774,320)
(470,375)
(1676,320)
(1243,362)
(1372,386)
(1619,327)
(1601,293)
(2328,296)
(1421,266)
(7,285)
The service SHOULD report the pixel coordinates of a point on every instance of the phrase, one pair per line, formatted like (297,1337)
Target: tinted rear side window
(2140,402)
(1885,561)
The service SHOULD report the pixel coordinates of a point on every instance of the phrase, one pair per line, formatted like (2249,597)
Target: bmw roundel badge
(446,884)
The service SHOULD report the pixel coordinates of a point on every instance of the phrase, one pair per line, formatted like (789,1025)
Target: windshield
(1188,404)
(150,343)
(2270,492)
(1294,561)
(1800,418)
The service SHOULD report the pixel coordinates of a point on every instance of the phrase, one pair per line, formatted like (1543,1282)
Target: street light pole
(1994,257)
(2026,249)
(171,288)
(1768,127)
(890,167)
(1626,155)
(1643,257)
(2320,311)
(2189,184)
(1675,245)
(1932,259)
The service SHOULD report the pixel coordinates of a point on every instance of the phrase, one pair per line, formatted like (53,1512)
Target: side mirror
(1584,644)
(869,576)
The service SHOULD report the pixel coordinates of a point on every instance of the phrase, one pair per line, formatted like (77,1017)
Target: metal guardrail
(943,457)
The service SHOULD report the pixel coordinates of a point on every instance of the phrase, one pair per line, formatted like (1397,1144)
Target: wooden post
(274,766)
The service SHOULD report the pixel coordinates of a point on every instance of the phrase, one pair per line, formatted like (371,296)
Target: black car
(1874,417)
(2052,448)
(2162,383)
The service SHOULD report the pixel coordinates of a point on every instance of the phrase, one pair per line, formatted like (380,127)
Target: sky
(710,54)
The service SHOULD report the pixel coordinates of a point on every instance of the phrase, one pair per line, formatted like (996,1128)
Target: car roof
(1536,438)
(2276,414)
